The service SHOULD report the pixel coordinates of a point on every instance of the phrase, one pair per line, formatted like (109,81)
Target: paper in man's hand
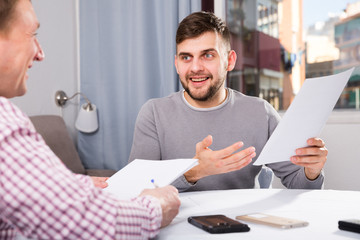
(137,175)
(305,118)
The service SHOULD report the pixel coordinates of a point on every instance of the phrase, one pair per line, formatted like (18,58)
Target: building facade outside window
(276,53)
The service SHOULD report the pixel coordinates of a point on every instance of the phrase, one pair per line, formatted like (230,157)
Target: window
(273,42)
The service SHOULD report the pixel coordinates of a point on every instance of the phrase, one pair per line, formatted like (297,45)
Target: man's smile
(198,79)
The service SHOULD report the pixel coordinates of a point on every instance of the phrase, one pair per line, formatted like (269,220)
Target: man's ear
(231,60)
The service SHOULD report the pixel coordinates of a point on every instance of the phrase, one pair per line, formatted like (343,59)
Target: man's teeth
(198,79)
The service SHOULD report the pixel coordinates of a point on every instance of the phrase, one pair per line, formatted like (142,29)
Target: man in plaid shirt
(39,197)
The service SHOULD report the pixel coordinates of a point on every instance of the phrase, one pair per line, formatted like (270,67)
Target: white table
(321,208)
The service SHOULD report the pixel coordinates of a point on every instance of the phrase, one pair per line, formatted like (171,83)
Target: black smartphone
(352,225)
(218,224)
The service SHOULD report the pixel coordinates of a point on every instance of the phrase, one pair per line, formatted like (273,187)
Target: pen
(153,182)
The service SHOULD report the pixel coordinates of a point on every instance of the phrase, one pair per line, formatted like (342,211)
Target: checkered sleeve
(42,199)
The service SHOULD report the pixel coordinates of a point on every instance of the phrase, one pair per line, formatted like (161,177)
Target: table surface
(321,208)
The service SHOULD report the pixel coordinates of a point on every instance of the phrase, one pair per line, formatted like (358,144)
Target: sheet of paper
(137,175)
(305,118)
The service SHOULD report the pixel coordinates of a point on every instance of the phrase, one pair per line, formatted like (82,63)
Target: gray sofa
(53,129)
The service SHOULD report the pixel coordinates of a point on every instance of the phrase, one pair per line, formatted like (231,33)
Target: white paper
(305,118)
(137,175)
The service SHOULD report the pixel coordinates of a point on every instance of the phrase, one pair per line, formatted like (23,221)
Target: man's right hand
(221,161)
(169,200)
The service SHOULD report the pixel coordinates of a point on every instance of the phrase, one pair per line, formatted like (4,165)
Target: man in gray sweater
(207,114)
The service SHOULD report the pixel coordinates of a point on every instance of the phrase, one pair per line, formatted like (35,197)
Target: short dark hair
(7,9)
(198,23)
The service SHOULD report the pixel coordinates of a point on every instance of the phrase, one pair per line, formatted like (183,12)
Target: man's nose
(40,55)
(197,65)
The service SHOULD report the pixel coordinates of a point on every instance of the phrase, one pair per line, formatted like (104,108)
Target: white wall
(59,70)
(342,137)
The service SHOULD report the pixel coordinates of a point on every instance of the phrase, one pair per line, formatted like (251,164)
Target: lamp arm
(88,106)
(86,99)
(61,99)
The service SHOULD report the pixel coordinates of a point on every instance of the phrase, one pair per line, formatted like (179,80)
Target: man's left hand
(312,157)
(100,181)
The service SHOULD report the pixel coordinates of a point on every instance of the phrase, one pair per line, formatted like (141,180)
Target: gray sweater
(169,128)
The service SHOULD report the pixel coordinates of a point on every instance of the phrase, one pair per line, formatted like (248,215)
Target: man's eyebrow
(209,50)
(184,54)
(202,51)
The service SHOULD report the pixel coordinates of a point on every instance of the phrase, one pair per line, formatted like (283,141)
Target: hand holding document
(305,118)
(140,174)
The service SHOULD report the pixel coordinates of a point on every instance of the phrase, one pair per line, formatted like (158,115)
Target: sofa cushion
(53,129)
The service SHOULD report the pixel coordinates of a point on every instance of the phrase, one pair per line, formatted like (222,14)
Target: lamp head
(87,120)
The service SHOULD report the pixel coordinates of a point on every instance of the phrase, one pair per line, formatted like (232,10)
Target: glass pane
(281,43)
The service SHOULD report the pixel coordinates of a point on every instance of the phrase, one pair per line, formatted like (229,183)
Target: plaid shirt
(40,198)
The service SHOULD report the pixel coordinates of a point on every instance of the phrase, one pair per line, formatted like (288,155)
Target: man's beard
(210,93)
